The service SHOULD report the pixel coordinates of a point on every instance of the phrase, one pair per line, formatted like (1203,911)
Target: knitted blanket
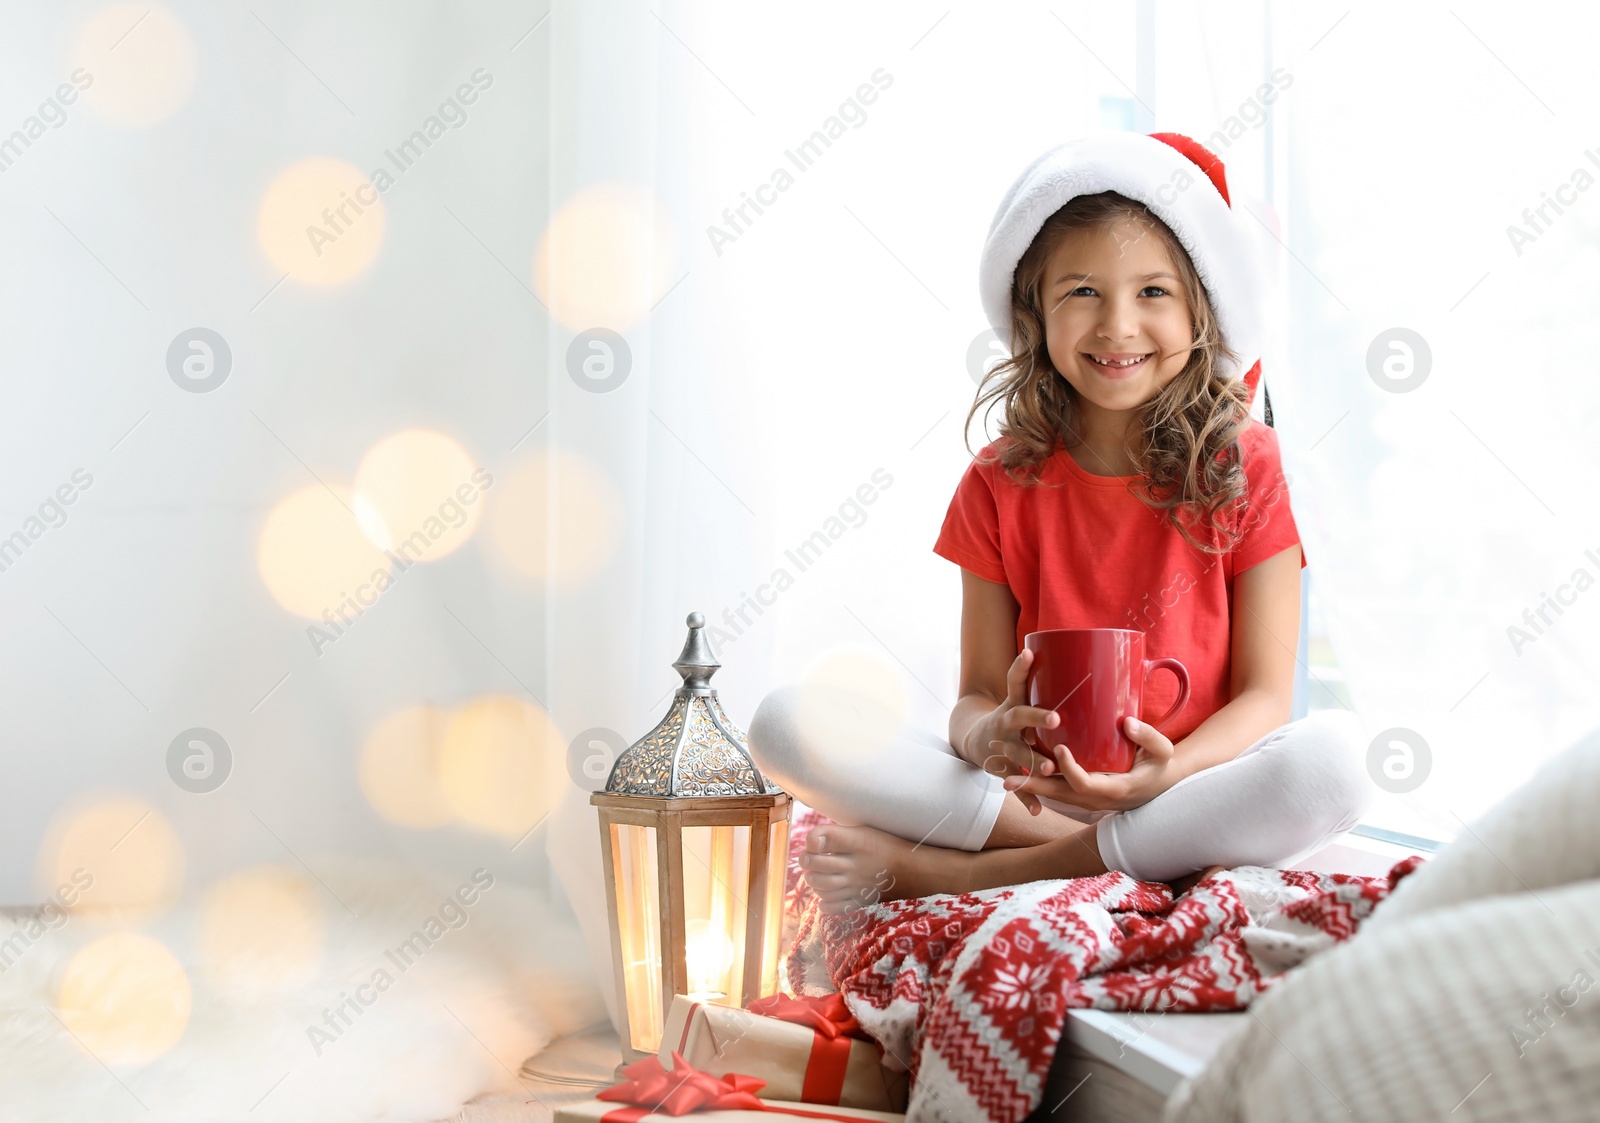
(969,992)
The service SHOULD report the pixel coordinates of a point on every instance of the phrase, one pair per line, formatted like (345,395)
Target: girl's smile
(1115,364)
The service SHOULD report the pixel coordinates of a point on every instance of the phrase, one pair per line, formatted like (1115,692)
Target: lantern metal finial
(696,664)
(695,750)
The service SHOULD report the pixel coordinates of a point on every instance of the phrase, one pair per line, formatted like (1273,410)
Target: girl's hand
(996,741)
(1154,771)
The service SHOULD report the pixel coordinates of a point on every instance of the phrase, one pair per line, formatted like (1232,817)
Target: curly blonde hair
(1185,439)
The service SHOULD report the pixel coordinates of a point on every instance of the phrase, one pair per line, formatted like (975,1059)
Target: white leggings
(1276,803)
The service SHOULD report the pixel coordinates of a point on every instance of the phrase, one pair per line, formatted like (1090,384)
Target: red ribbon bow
(683,1088)
(826,1014)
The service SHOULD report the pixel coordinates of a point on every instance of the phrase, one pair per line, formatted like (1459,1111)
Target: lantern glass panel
(777,867)
(716,881)
(633,850)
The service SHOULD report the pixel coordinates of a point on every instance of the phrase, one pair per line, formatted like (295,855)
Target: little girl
(1129,488)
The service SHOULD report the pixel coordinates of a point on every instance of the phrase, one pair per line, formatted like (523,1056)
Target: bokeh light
(607,256)
(138,62)
(851,703)
(556,516)
(119,852)
(126,997)
(261,930)
(321,221)
(399,768)
(422,493)
(503,764)
(312,555)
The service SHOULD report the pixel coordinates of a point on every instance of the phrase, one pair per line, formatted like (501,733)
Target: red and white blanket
(969,992)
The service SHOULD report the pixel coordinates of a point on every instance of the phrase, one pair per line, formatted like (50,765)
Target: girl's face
(1117,322)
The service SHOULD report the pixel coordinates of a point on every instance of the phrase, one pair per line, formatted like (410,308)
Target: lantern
(694,843)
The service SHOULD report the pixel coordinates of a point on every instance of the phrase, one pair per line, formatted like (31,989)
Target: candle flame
(708,952)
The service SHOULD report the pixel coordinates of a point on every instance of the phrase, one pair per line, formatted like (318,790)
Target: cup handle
(1182,672)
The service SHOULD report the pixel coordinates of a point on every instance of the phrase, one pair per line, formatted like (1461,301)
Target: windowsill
(1158,1050)
(1407,842)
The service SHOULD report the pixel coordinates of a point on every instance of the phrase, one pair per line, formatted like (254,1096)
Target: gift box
(654,1092)
(808,1050)
(772,1111)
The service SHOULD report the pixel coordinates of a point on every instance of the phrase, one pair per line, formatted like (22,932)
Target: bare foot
(1183,884)
(849,867)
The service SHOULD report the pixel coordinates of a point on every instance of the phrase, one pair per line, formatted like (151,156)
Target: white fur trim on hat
(1173,187)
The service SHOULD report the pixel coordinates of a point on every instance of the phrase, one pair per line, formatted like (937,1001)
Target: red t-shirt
(1081,551)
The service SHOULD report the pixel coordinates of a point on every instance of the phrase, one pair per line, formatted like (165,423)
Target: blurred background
(386,383)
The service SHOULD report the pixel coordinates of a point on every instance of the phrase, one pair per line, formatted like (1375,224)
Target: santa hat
(1182,182)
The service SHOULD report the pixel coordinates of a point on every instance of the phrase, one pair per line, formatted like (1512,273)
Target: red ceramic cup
(1094,678)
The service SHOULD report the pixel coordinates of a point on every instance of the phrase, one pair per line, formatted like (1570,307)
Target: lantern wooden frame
(762,897)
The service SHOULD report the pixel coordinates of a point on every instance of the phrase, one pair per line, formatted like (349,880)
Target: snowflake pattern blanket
(969,992)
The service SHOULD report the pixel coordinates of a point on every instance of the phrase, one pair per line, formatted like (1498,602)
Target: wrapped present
(810,1050)
(655,1093)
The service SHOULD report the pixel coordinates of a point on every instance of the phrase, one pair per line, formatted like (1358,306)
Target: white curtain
(185,151)
(1436,516)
